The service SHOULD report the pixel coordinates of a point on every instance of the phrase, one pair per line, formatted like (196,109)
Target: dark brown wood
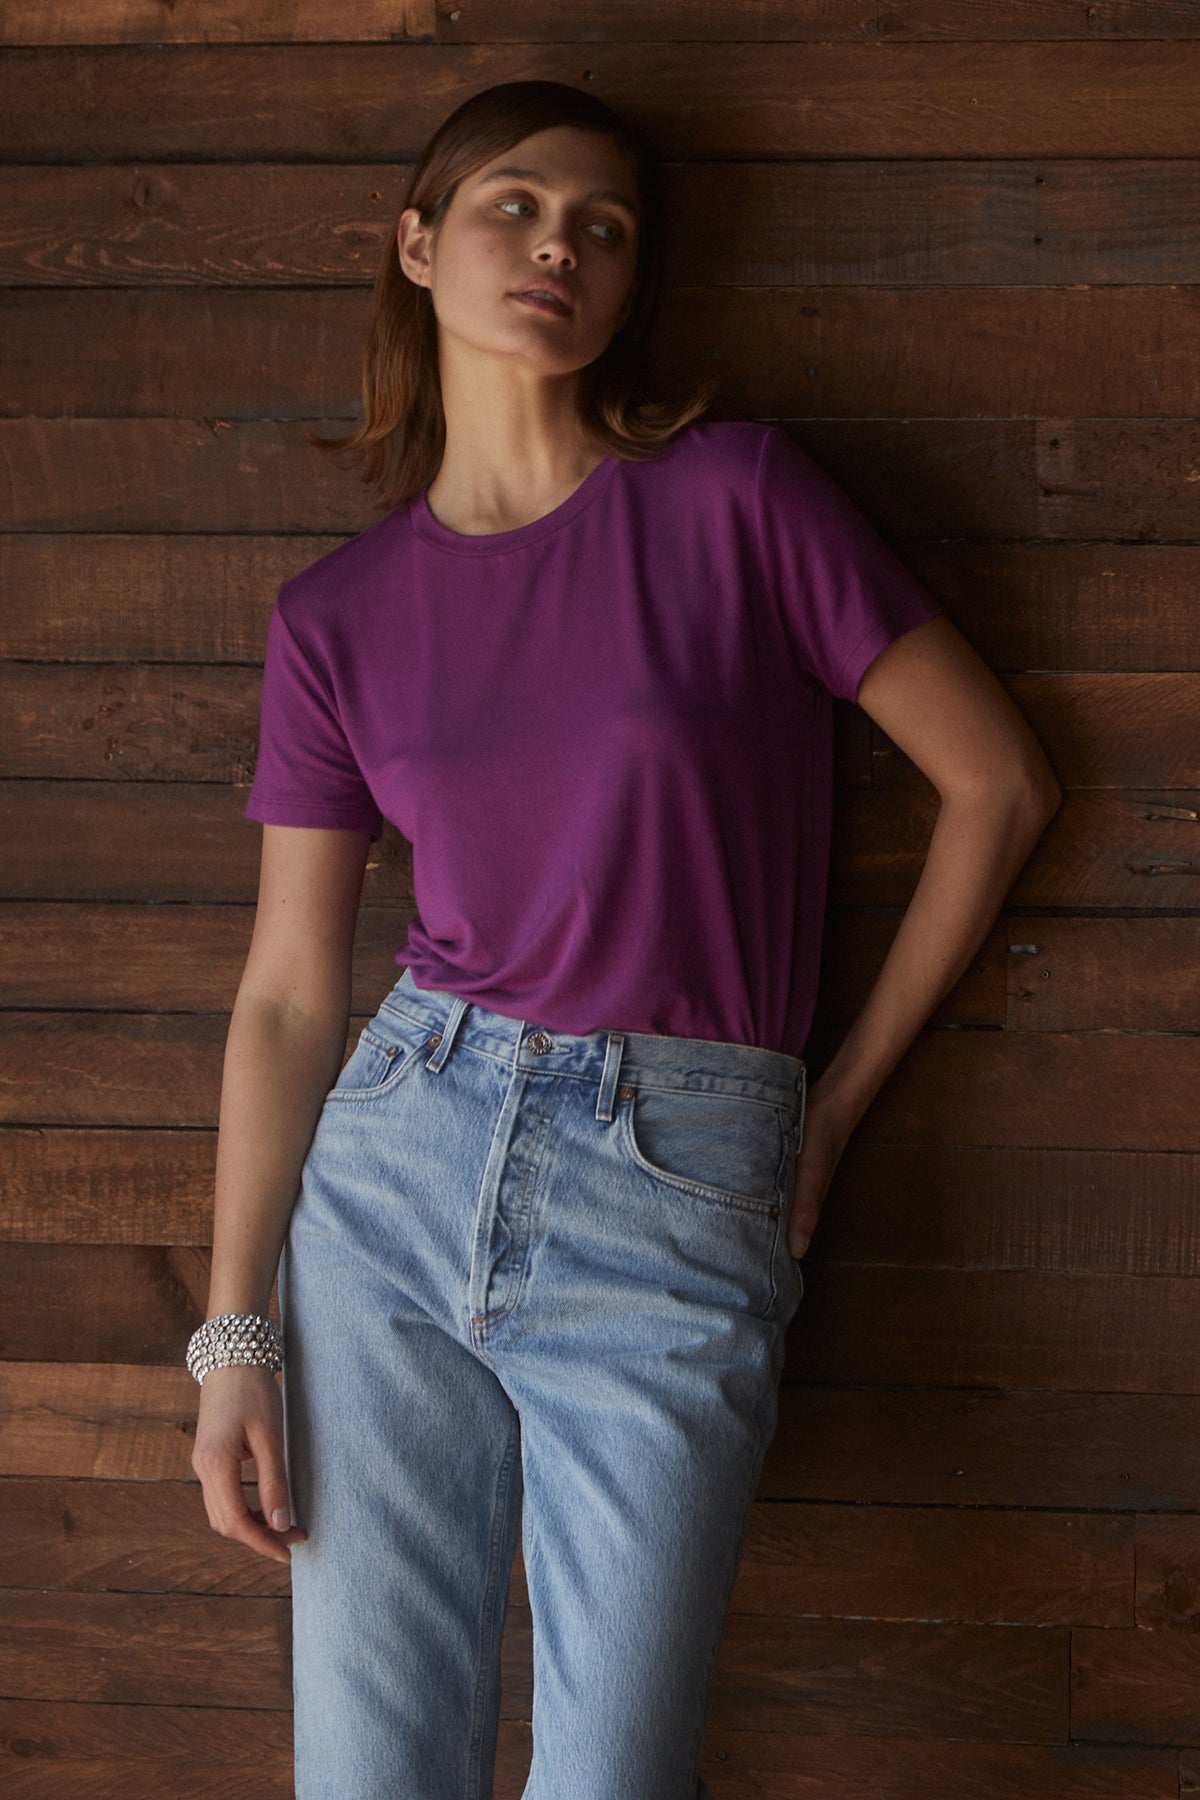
(291,353)
(78,596)
(946,1204)
(50,1749)
(1135,1687)
(1168,1572)
(968,218)
(858,1323)
(344,102)
(956,260)
(828,1763)
(1007,479)
(159,1650)
(171,956)
(973,1447)
(1126,1090)
(198,722)
(901,1563)
(529,22)
(187,841)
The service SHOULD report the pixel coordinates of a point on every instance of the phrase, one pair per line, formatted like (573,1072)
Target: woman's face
(569,219)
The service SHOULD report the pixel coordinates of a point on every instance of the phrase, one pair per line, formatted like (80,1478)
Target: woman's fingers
(239,1419)
(266,1447)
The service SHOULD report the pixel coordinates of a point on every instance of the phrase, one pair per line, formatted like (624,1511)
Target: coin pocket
(379,1061)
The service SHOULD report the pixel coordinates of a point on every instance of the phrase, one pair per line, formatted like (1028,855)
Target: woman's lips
(543,305)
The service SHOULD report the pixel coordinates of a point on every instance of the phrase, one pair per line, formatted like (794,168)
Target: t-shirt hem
(303,812)
(858,661)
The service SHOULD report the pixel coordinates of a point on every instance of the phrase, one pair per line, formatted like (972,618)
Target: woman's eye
(616,236)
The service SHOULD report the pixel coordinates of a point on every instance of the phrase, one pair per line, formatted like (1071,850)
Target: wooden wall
(952,246)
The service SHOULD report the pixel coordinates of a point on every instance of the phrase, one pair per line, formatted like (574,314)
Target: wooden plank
(94,218)
(855,352)
(1103,848)
(913,1205)
(341,101)
(1032,973)
(108,1186)
(999,1206)
(958,478)
(197,843)
(1098,1334)
(107,1068)
(165,1650)
(973,1565)
(189,841)
(829,1763)
(115,721)
(173,957)
(120,721)
(209,476)
(1009,1328)
(894,1444)
(1135,1686)
(969,1447)
(70,1750)
(966,1565)
(1168,1573)
(530,22)
(142,1537)
(1051,1090)
(946,1681)
(154,1649)
(1105,974)
(78,596)
(942,1205)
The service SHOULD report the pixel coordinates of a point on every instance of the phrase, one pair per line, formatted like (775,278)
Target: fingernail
(281,1518)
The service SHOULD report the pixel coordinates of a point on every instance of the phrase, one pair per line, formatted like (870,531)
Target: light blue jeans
(541,1279)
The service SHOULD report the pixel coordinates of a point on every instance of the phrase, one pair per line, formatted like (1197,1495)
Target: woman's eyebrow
(535,175)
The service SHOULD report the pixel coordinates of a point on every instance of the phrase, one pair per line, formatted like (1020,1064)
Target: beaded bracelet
(234,1338)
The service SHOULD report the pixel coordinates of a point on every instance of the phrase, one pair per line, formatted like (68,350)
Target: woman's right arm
(283,1053)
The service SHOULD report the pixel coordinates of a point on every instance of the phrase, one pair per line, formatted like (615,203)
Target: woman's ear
(413,245)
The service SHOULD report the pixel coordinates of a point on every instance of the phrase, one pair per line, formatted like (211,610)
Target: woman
(539,1240)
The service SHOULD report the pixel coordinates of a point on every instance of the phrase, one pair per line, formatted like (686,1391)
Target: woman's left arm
(942,706)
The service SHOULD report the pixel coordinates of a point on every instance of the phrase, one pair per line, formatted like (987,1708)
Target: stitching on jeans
(488,1647)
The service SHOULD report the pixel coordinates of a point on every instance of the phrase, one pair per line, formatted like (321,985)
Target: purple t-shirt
(606,734)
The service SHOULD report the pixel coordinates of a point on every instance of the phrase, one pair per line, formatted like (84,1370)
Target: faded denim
(528,1266)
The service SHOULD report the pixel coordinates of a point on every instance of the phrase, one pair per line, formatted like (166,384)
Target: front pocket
(726,1147)
(385,1053)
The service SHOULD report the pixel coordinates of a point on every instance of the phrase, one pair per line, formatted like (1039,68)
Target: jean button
(539,1042)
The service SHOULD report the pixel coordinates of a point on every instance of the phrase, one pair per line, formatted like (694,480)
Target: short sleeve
(306,773)
(844,593)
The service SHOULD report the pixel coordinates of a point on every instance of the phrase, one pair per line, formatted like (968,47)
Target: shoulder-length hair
(401,439)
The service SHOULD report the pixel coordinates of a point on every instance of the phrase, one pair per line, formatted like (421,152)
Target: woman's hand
(825,1137)
(241,1416)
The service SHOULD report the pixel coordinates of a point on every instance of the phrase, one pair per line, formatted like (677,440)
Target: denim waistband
(707,1065)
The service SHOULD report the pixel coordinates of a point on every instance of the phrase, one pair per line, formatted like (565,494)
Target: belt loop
(454,1019)
(608,1079)
(802,1084)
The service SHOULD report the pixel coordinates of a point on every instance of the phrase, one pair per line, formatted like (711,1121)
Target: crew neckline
(489,543)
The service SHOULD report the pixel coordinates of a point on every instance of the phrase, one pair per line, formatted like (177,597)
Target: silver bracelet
(234,1338)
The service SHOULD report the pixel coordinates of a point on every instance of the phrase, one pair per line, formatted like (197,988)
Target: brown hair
(401,439)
